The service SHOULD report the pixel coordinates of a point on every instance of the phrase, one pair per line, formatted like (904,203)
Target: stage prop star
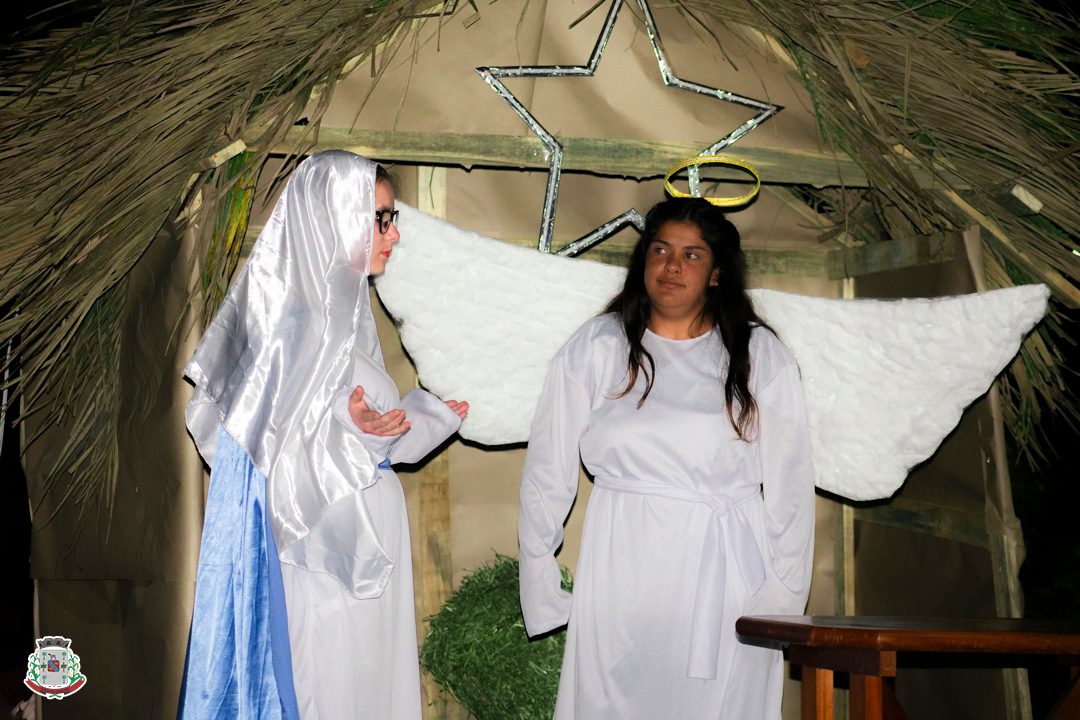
(554,149)
(885,381)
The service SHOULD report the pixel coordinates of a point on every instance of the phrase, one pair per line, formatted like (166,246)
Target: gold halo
(715,160)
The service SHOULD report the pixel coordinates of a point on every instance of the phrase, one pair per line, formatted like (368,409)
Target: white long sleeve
(431,422)
(788,484)
(548,488)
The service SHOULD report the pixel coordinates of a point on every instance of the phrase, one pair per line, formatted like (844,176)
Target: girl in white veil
(299,422)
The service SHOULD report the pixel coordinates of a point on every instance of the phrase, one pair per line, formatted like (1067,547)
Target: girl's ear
(714,278)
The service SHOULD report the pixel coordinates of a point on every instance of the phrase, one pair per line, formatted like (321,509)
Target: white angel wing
(885,381)
(481,318)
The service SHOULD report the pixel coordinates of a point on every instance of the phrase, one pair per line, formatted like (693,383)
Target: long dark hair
(727,305)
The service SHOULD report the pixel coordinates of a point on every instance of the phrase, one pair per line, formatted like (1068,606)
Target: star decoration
(554,150)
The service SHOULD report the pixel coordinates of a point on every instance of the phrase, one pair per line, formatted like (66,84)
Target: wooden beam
(831,262)
(434,534)
(813,261)
(1020,201)
(1060,286)
(921,517)
(891,255)
(434,584)
(602,156)
(828,261)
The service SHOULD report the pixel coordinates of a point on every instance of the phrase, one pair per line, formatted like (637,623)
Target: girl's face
(383,243)
(679,270)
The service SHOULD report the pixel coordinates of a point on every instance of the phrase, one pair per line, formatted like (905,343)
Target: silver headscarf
(283,344)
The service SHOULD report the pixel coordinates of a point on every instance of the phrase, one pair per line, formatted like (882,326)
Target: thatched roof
(109,128)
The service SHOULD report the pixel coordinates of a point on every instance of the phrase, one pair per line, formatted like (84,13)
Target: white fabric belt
(728,533)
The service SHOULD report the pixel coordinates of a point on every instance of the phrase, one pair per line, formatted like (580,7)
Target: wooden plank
(849,660)
(1061,286)
(844,553)
(878,633)
(1003,527)
(1019,201)
(828,261)
(866,697)
(817,693)
(845,561)
(845,539)
(1006,554)
(892,255)
(921,517)
(436,565)
(811,261)
(603,156)
(436,571)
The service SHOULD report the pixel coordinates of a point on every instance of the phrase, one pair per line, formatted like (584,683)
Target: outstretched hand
(371,421)
(459,406)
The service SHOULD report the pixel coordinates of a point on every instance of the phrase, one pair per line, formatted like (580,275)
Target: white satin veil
(281,345)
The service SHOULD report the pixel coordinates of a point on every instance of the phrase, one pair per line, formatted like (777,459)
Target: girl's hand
(459,406)
(370,421)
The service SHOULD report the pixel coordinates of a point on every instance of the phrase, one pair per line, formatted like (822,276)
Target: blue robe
(238,663)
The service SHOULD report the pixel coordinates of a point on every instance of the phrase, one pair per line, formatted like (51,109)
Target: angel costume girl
(305,517)
(679,540)
(689,524)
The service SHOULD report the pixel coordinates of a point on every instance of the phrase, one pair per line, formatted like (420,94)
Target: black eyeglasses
(385,218)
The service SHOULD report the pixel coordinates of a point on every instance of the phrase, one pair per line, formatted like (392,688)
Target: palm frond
(107,131)
(981,94)
(103,128)
(232,190)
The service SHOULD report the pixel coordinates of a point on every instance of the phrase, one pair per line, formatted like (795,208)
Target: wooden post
(866,696)
(436,571)
(1002,525)
(845,550)
(846,557)
(435,582)
(817,693)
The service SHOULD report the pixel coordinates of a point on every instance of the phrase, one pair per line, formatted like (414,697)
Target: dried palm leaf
(107,129)
(234,183)
(103,127)
(983,95)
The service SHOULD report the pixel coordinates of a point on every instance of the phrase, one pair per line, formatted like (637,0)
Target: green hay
(478,651)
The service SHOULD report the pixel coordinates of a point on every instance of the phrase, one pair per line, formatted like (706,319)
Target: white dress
(687,528)
(292,339)
(356,658)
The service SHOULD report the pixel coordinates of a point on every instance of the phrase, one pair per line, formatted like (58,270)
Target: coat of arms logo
(53,670)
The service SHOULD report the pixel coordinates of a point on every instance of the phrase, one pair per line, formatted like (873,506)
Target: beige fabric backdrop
(123,592)
(430,84)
